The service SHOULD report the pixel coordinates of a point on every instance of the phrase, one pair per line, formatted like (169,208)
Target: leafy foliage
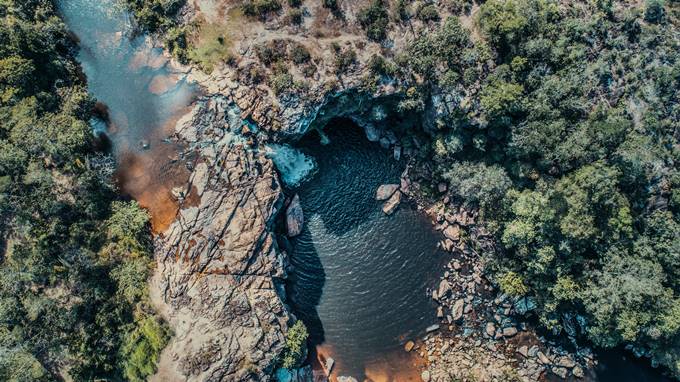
(73,260)
(296,346)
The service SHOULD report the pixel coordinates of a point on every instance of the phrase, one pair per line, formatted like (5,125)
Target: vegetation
(73,259)
(563,130)
(260,8)
(296,346)
(375,20)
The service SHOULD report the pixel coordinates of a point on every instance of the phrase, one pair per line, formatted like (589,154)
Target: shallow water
(360,276)
(142,96)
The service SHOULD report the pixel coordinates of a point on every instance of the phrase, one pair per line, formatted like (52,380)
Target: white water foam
(293,165)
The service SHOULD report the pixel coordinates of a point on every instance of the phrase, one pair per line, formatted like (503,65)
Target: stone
(490,329)
(577,371)
(533,351)
(330,362)
(425,376)
(432,328)
(457,266)
(294,217)
(385,191)
(452,232)
(444,289)
(409,346)
(440,312)
(560,371)
(543,358)
(441,187)
(346,379)
(397,152)
(510,331)
(457,309)
(524,351)
(392,203)
(372,133)
(566,362)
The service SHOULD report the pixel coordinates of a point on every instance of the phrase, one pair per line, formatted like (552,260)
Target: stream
(360,276)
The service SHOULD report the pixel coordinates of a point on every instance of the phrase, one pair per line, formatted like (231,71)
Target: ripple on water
(361,277)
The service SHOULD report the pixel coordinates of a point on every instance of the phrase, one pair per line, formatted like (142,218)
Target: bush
(294,3)
(260,8)
(299,54)
(296,346)
(654,11)
(282,83)
(374,20)
(428,13)
(142,347)
(295,16)
(344,59)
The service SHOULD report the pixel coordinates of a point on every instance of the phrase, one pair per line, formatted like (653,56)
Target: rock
(509,332)
(385,191)
(566,362)
(452,232)
(219,295)
(457,309)
(533,351)
(144,144)
(524,351)
(441,187)
(397,152)
(372,133)
(440,312)
(543,358)
(577,372)
(294,217)
(432,328)
(490,329)
(524,305)
(444,289)
(346,379)
(425,376)
(409,346)
(560,371)
(330,362)
(456,265)
(392,203)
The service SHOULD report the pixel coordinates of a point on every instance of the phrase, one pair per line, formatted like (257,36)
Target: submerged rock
(385,191)
(392,203)
(294,217)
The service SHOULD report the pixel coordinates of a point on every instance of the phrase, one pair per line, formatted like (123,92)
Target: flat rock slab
(391,205)
(385,191)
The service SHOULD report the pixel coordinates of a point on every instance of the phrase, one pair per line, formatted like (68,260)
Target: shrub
(294,3)
(281,83)
(142,347)
(512,284)
(295,16)
(296,345)
(331,4)
(374,20)
(271,52)
(428,13)
(344,59)
(299,54)
(654,11)
(260,8)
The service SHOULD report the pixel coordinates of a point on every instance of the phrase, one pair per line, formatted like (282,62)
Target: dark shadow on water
(305,286)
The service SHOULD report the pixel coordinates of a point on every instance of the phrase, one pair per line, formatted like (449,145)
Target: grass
(210,46)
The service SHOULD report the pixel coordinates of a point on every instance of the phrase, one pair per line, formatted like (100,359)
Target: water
(140,93)
(361,276)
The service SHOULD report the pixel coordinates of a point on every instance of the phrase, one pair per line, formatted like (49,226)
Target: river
(140,96)
(361,277)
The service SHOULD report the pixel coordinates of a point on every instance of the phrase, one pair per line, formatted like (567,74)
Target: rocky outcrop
(219,271)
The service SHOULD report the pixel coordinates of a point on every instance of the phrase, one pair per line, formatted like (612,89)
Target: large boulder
(385,191)
(457,309)
(392,204)
(294,217)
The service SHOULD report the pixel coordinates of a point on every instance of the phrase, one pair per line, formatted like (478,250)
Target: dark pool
(361,276)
